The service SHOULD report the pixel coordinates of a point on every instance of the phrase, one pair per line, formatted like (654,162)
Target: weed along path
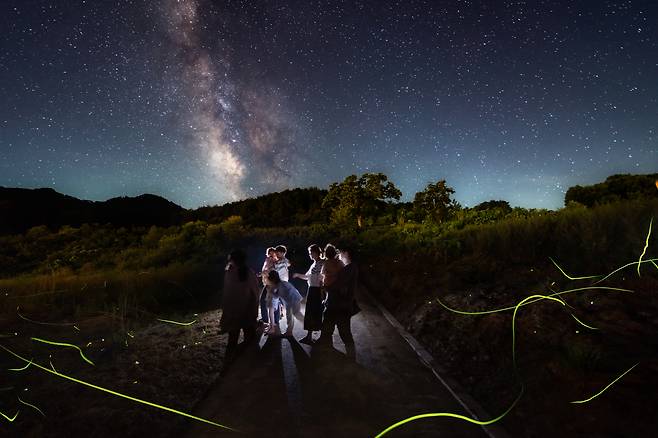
(281,388)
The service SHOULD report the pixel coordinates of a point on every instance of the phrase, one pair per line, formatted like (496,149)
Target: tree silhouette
(357,198)
(435,203)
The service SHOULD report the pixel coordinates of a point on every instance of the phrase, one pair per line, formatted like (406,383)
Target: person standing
(239,302)
(341,304)
(281,263)
(268,265)
(291,298)
(313,314)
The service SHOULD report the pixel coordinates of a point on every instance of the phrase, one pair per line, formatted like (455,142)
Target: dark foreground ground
(282,388)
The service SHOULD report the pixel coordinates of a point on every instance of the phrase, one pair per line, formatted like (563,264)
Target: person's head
(330,251)
(347,254)
(238,259)
(314,252)
(273,277)
(269,252)
(280,251)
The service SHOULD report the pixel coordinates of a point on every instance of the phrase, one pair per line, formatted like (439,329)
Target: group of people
(330,300)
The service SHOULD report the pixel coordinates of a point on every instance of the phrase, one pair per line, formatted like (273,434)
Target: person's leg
(232,345)
(290,320)
(345,332)
(264,314)
(327,331)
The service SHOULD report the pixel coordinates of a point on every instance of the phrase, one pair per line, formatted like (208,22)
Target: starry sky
(209,101)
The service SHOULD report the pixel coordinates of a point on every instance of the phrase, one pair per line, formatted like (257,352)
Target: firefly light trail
(64,344)
(449,414)
(32,406)
(608,386)
(176,322)
(118,394)
(646,245)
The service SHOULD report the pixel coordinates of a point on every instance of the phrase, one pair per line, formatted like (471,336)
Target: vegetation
(615,188)
(359,198)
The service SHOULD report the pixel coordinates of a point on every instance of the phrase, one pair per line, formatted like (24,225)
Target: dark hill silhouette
(22,209)
(289,207)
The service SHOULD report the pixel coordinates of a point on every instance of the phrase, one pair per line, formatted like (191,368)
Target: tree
(359,197)
(434,203)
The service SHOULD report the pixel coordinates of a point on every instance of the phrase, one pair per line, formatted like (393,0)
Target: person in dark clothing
(239,302)
(341,304)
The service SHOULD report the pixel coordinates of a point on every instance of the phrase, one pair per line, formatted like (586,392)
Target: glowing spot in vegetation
(76,327)
(130,334)
(64,344)
(32,406)
(604,389)
(582,323)
(570,277)
(449,414)
(118,394)
(646,245)
(10,419)
(176,322)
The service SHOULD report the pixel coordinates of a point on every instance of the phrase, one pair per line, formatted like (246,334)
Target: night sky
(204,102)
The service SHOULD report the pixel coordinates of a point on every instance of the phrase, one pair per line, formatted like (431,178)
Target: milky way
(207,101)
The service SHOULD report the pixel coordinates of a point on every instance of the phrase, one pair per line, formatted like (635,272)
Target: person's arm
(302,276)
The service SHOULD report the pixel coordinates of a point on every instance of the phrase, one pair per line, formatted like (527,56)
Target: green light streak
(10,419)
(64,344)
(176,322)
(32,406)
(582,323)
(58,324)
(503,309)
(624,267)
(646,245)
(570,277)
(118,394)
(22,369)
(604,389)
(449,414)
(541,297)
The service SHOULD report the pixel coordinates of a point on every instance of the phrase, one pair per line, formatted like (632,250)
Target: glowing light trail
(604,389)
(10,419)
(176,322)
(64,344)
(449,414)
(59,324)
(570,277)
(646,245)
(118,394)
(503,309)
(32,406)
(582,323)
(541,297)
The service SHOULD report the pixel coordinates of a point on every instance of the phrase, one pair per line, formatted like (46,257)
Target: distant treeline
(355,202)
(615,188)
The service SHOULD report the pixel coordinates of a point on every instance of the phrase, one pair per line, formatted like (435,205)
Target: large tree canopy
(435,203)
(357,198)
